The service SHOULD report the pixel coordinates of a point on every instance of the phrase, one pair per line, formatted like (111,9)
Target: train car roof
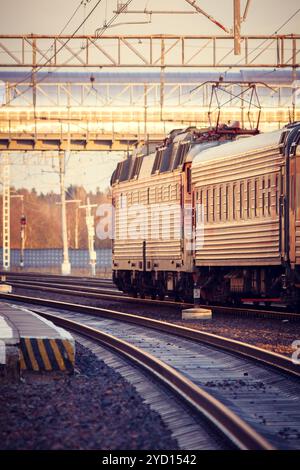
(199,148)
(239,147)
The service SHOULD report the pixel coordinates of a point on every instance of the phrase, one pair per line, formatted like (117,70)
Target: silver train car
(218,211)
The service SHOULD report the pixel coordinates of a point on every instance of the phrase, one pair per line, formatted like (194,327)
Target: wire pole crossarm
(202,12)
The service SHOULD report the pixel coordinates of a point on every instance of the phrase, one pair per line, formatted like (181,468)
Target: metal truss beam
(151,51)
(126,94)
(134,108)
(80,141)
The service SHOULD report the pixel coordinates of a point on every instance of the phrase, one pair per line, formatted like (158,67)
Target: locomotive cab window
(157,161)
(136,167)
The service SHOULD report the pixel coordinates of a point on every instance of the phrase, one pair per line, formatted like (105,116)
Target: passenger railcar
(232,207)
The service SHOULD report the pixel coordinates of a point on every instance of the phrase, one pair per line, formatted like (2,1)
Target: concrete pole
(89,218)
(76,227)
(66,266)
(6,211)
(22,228)
(237,26)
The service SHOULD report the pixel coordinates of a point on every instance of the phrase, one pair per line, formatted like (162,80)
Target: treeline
(43,214)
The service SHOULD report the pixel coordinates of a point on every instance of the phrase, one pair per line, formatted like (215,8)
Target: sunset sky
(50,16)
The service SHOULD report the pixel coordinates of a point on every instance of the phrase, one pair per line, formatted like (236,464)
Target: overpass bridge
(111,111)
(74,142)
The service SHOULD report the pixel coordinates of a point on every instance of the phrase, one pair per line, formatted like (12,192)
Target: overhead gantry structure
(148,51)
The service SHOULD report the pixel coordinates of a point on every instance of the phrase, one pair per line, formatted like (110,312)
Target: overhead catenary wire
(103,29)
(49,49)
(54,55)
(263,42)
(106,25)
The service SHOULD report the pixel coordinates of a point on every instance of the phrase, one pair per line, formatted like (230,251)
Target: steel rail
(89,292)
(31,274)
(250,352)
(231,425)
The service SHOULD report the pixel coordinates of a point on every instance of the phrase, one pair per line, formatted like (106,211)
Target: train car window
(166,159)
(242,196)
(189,180)
(200,202)
(234,201)
(269,197)
(214,204)
(255,198)
(263,197)
(207,205)
(248,199)
(293,195)
(227,203)
(277,194)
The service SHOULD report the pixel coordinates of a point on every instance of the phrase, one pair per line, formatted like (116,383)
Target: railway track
(186,425)
(107,291)
(260,388)
(38,277)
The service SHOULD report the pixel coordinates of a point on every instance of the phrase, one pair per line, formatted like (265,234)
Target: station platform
(30,342)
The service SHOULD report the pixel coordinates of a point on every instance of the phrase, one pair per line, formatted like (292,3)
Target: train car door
(294,211)
(188,214)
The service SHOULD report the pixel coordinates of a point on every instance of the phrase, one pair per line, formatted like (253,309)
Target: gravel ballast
(93,409)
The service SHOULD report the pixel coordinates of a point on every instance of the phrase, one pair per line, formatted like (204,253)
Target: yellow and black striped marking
(45,354)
